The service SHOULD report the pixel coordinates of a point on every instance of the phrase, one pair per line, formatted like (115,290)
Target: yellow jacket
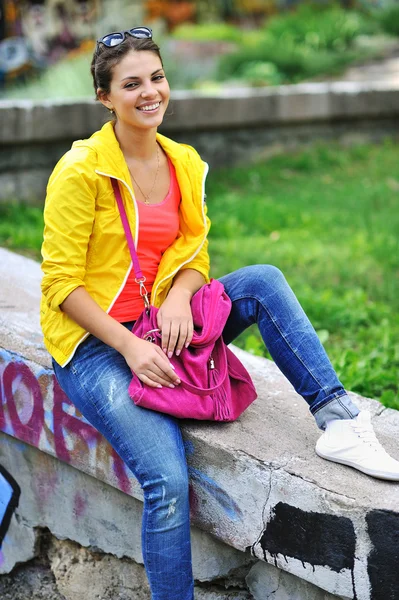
(84,242)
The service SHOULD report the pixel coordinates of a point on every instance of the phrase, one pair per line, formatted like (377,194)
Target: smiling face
(139,91)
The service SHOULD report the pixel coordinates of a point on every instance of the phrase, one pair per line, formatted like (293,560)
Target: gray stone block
(82,574)
(265,582)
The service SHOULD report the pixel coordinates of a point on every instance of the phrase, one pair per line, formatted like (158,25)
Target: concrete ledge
(227,128)
(257,485)
(24,121)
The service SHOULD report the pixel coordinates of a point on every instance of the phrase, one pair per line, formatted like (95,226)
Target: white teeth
(151,107)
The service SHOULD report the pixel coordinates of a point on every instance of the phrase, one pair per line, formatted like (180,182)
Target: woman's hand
(149,363)
(175,321)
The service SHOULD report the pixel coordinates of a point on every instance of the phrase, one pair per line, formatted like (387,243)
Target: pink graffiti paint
(120,472)
(21,397)
(63,420)
(18,373)
(44,486)
(193,498)
(79,505)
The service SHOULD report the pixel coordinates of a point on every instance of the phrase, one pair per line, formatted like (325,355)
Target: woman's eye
(159,77)
(130,85)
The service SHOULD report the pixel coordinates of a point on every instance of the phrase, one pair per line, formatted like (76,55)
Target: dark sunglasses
(114,39)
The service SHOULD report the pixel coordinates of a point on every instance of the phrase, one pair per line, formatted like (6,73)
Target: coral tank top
(158,228)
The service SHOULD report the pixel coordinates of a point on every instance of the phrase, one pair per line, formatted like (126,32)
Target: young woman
(90,300)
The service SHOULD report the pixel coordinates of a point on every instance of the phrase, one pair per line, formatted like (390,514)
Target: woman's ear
(103,97)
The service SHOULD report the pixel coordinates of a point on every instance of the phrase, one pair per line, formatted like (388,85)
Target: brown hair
(105,59)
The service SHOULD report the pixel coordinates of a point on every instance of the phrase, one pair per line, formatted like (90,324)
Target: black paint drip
(314,538)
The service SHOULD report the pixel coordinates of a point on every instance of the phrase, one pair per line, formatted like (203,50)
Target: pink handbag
(214,384)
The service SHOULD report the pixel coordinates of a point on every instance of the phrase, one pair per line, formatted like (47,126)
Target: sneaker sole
(378,474)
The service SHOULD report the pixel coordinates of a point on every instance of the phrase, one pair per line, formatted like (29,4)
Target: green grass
(328,217)
(21,229)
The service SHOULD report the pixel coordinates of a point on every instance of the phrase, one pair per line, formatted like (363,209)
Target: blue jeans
(97,378)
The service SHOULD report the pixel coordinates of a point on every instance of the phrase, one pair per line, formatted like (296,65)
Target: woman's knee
(168,493)
(259,278)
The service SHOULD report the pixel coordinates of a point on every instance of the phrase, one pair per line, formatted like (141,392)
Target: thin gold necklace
(147,197)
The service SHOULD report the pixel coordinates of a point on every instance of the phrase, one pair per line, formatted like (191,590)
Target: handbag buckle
(148,337)
(144,293)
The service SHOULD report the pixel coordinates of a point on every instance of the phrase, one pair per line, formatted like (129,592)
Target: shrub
(292,60)
(311,41)
(321,27)
(389,19)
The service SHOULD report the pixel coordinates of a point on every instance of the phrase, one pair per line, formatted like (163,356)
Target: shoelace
(367,435)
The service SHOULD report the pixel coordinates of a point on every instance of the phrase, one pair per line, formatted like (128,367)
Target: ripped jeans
(96,380)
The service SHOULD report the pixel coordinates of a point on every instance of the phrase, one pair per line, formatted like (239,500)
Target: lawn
(328,217)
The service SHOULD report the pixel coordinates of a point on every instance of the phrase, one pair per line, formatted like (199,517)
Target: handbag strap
(138,274)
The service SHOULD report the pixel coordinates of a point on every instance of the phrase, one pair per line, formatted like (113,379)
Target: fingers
(158,372)
(165,329)
(164,366)
(154,380)
(185,336)
(176,335)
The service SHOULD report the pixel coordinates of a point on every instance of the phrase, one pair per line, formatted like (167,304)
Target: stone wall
(227,128)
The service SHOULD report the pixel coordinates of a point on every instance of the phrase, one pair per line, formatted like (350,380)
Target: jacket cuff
(58,298)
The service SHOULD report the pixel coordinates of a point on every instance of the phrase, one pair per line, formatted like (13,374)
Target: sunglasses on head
(114,39)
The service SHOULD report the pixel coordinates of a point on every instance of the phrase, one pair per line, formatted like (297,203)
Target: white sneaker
(353,442)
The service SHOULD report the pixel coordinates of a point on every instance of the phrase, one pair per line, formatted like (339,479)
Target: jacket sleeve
(68,223)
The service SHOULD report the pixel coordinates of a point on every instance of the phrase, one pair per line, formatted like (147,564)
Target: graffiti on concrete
(9,498)
(35,410)
(211,488)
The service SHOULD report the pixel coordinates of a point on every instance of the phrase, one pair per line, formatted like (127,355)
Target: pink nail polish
(164,350)
(159,385)
(170,354)
(178,381)
(177,352)
(171,385)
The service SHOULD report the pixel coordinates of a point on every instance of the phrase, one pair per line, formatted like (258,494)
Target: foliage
(261,73)
(314,40)
(207,32)
(69,78)
(321,26)
(389,19)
